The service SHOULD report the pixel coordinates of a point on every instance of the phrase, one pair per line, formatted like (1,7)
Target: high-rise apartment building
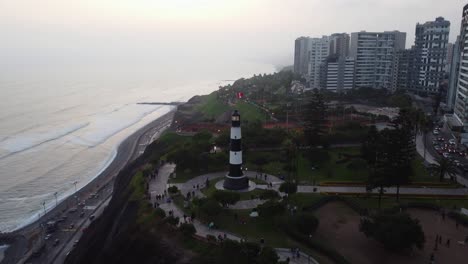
(319,50)
(403,70)
(453,75)
(431,52)
(337,73)
(448,59)
(461,101)
(374,53)
(301,55)
(339,44)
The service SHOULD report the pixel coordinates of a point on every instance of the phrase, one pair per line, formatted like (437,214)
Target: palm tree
(444,166)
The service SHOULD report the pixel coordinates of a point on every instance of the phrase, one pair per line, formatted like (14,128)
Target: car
(441,139)
(457,163)
(461,153)
(72,225)
(434,142)
(446,155)
(91,217)
(82,214)
(437,147)
(435,132)
(72,210)
(452,141)
(48,236)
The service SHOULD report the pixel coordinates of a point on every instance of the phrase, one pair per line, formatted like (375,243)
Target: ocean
(64,126)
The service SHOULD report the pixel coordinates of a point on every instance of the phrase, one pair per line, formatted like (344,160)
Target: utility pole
(56,202)
(43,204)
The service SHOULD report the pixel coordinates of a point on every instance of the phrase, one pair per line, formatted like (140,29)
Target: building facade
(461,100)
(403,70)
(448,59)
(453,75)
(301,55)
(374,54)
(319,50)
(337,73)
(339,44)
(431,43)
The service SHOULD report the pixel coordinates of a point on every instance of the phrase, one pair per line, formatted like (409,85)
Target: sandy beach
(22,241)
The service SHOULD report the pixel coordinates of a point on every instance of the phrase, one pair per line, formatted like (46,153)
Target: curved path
(159,185)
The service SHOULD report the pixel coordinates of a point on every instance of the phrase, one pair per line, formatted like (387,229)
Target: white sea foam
(103,126)
(25,141)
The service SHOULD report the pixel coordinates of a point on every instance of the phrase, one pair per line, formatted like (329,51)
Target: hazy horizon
(132,35)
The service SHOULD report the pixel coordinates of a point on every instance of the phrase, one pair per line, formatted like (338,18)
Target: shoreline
(127,151)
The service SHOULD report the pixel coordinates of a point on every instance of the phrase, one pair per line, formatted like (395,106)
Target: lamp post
(43,204)
(75,182)
(56,202)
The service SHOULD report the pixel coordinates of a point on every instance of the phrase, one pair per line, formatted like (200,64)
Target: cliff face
(116,236)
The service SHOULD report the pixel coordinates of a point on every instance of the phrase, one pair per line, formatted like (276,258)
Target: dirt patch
(339,228)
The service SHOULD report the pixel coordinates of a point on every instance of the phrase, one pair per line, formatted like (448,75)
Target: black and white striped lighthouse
(235,179)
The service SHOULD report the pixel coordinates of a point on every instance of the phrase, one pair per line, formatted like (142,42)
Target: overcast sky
(264,30)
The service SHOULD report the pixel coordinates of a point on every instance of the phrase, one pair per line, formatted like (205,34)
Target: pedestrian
(265,177)
(448,243)
(198,186)
(225,236)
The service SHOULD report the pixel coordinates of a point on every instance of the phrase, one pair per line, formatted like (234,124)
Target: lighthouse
(235,178)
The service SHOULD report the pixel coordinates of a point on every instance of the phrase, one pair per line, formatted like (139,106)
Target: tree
(288,187)
(209,207)
(370,146)
(314,118)
(267,256)
(398,232)
(226,197)
(270,208)
(444,166)
(188,230)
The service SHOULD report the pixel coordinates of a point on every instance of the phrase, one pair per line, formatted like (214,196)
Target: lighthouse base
(236,183)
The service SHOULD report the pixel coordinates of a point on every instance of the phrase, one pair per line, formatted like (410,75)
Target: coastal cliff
(117,236)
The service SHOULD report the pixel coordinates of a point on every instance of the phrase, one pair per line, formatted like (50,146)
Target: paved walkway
(159,184)
(391,190)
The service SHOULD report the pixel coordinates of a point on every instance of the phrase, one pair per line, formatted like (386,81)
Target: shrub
(173,189)
(209,207)
(396,231)
(288,187)
(188,230)
(172,220)
(270,208)
(226,197)
(269,194)
(160,212)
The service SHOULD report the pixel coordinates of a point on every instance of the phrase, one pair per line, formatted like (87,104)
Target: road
(91,203)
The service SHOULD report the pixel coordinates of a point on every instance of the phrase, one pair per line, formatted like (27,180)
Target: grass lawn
(212,107)
(249,112)
(330,170)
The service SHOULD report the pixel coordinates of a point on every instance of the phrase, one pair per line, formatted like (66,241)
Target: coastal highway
(90,203)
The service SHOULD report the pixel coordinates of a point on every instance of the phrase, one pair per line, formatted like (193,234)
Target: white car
(435,132)
(445,154)
(452,141)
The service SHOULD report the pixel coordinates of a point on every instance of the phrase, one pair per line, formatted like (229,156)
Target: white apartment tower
(319,50)
(461,101)
(374,54)
(431,44)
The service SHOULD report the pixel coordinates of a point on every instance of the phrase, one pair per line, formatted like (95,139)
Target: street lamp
(75,182)
(56,202)
(43,204)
